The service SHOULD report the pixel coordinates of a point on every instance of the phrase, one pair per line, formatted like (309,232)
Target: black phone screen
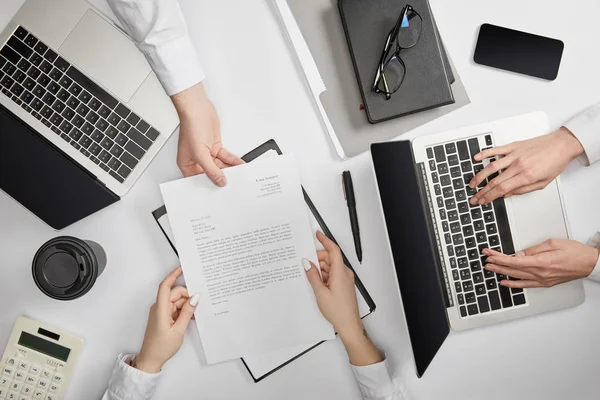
(518,51)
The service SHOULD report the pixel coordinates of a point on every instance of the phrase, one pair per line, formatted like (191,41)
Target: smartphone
(517,51)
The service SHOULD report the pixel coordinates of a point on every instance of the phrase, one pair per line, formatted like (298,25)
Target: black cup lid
(65,268)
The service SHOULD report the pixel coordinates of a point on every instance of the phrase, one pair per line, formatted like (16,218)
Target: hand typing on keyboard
(200,148)
(550,263)
(527,165)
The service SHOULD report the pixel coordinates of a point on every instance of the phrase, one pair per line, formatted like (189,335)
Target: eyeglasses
(391,70)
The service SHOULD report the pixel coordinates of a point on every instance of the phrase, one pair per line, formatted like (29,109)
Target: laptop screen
(412,243)
(43,179)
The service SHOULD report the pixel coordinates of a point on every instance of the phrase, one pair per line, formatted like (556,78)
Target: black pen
(351,202)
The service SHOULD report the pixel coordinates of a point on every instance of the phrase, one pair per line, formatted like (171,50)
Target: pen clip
(344,188)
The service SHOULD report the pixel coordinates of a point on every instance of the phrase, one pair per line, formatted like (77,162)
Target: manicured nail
(195,300)
(306,264)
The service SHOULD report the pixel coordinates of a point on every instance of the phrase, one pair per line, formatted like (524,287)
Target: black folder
(428,74)
(271,145)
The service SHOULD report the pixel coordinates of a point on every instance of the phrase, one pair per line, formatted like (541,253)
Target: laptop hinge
(442,275)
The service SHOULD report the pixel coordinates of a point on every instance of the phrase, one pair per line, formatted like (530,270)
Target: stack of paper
(242,247)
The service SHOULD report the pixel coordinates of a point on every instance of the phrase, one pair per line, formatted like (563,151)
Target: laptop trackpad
(106,55)
(538,216)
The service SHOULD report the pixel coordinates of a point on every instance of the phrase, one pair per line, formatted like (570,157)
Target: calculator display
(43,346)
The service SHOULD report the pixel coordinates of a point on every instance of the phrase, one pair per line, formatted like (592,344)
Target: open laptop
(436,236)
(81,112)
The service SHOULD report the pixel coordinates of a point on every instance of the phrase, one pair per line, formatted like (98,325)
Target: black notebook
(427,83)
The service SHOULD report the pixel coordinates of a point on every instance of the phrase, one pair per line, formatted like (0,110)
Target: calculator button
(58,378)
(35,369)
(44,383)
(46,373)
(20,375)
(16,386)
(51,396)
(12,396)
(31,380)
(24,364)
(28,390)
(3,392)
(24,397)
(54,388)
(8,371)
(4,381)
(11,362)
(39,394)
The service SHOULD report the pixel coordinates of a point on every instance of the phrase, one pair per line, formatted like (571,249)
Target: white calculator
(38,362)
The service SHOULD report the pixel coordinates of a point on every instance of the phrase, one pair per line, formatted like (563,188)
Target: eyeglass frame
(391,38)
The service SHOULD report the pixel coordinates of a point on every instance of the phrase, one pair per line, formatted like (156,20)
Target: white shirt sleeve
(376,383)
(128,383)
(160,32)
(595,242)
(586,128)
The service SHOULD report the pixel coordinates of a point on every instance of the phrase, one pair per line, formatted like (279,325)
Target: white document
(242,247)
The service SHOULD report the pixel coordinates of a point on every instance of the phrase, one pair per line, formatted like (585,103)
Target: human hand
(167,322)
(528,165)
(200,149)
(547,264)
(336,298)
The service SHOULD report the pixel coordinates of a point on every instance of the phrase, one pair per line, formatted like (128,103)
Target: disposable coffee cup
(66,268)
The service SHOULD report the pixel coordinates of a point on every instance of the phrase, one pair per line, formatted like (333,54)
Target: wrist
(189,102)
(569,142)
(352,333)
(144,364)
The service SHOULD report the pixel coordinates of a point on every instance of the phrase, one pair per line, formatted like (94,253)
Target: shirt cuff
(595,243)
(128,383)
(175,64)
(375,382)
(585,127)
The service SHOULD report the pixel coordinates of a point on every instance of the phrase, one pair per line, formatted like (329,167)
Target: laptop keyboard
(73,106)
(467,229)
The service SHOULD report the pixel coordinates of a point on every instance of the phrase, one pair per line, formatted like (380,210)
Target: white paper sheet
(241,247)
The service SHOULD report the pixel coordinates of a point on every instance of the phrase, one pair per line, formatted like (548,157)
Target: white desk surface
(259,94)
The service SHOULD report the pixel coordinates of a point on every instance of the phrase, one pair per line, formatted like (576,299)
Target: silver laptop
(80,83)
(436,236)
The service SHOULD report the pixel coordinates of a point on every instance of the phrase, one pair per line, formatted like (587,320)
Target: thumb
(214,173)
(187,312)
(313,277)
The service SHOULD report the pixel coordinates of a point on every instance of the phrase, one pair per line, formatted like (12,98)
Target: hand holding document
(242,247)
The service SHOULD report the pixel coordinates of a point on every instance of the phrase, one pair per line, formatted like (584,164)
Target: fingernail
(306,264)
(472,184)
(221,181)
(477,156)
(507,196)
(480,201)
(486,252)
(473,200)
(195,300)
(520,253)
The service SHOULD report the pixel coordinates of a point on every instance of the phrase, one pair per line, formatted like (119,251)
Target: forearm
(189,101)
(360,348)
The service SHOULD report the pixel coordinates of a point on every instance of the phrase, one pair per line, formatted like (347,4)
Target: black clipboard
(248,157)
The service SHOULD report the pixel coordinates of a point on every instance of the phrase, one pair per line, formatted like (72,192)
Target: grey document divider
(321,26)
